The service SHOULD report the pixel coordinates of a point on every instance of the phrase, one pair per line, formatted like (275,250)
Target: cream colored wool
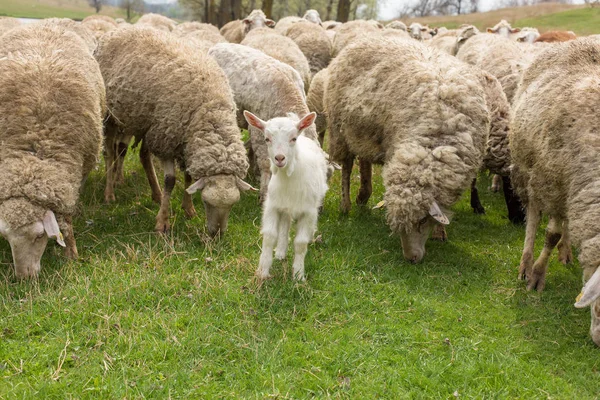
(82,31)
(8,23)
(236,31)
(157,21)
(51,109)
(285,23)
(314,100)
(187,27)
(313,42)
(428,123)
(99,27)
(97,17)
(350,32)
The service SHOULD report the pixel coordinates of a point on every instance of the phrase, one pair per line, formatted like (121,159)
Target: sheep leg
(475,202)
(565,255)
(439,233)
(162,219)
(283,236)
(513,203)
(537,278)
(346,174)
(321,137)
(305,230)
(533,222)
(187,204)
(366,187)
(109,161)
(496,182)
(69,237)
(121,148)
(270,225)
(146,160)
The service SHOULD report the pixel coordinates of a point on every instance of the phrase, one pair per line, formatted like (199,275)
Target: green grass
(74,9)
(583,21)
(145,316)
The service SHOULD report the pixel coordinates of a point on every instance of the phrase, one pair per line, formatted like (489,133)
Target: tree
(131,6)
(267,7)
(97,4)
(343,10)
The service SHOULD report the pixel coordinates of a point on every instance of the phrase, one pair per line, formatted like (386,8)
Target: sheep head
(29,241)
(281,134)
(313,16)
(256,19)
(414,238)
(503,28)
(219,194)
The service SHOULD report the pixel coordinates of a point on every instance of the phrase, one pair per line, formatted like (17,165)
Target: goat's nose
(279,157)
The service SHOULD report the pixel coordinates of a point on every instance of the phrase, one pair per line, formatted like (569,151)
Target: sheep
(81,30)
(281,48)
(263,86)
(503,28)
(97,17)
(188,27)
(526,35)
(99,26)
(236,31)
(296,189)
(314,101)
(178,103)
(284,23)
(331,24)
(430,131)
(395,34)
(200,36)
(351,31)
(313,16)
(157,21)
(418,31)
(555,154)
(51,113)
(445,42)
(396,25)
(7,23)
(313,42)
(555,36)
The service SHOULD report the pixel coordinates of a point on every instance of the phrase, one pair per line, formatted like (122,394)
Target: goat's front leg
(533,222)
(187,204)
(146,160)
(162,219)
(305,230)
(366,187)
(346,174)
(283,235)
(270,226)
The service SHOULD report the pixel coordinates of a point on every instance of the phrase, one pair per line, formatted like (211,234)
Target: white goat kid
(296,189)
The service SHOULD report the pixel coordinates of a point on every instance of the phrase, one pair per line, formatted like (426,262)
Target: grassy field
(180,316)
(75,9)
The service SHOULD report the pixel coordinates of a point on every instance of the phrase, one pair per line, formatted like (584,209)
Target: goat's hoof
(280,255)
(263,276)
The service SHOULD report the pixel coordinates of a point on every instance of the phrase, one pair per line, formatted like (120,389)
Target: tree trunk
(343,10)
(329,7)
(236,9)
(267,7)
(224,12)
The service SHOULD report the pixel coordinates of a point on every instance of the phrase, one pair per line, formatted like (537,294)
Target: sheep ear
(244,186)
(52,229)
(254,121)
(515,30)
(198,185)
(437,214)
(306,121)
(246,21)
(590,291)
(270,23)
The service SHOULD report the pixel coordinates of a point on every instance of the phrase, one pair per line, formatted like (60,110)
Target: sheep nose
(279,157)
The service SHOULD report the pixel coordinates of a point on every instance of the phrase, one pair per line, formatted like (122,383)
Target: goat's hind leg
(305,230)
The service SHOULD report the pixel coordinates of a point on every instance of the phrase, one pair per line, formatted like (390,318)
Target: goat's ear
(198,185)
(244,186)
(590,291)
(306,121)
(52,229)
(270,23)
(254,121)
(515,30)
(437,214)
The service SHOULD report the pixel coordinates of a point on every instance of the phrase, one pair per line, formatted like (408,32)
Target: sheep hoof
(162,227)
(537,281)
(71,253)
(523,268)
(362,198)
(565,255)
(190,212)
(479,210)
(109,198)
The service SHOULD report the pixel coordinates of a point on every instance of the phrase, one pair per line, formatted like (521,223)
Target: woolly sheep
(46,71)
(331,24)
(418,31)
(314,101)
(430,132)
(313,16)
(99,26)
(7,23)
(503,28)
(157,21)
(200,36)
(445,42)
(81,30)
(296,189)
(105,18)
(526,35)
(556,153)
(350,32)
(236,31)
(263,86)
(284,23)
(280,48)
(396,25)
(313,42)
(178,103)
(555,36)
(188,27)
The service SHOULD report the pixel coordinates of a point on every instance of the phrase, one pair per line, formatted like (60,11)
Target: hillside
(75,9)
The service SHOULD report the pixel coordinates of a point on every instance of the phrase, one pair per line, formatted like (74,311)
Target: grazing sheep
(556,162)
(284,23)
(313,42)
(526,35)
(430,132)
(200,36)
(81,30)
(395,34)
(419,32)
(263,86)
(555,36)
(503,28)
(396,25)
(350,32)
(194,26)
(157,21)
(313,16)
(105,18)
(7,23)
(296,189)
(445,42)
(236,31)
(177,102)
(99,26)
(331,24)
(51,110)
(314,100)
(280,48)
